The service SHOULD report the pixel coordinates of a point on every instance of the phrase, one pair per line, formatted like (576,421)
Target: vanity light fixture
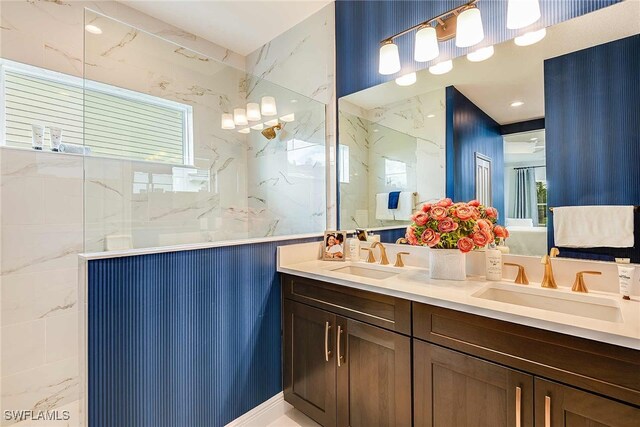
(93,29)
(515,104)
(253,112)
(227,122)
(463,22)
(522,13)
(259,126)
(271,122)
(244,131)
(268,106)
(532,37)
(481,54)
(240,116)
(407,79)
(441,67)
(288,118)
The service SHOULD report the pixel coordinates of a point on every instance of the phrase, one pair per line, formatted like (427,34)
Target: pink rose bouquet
(448,225)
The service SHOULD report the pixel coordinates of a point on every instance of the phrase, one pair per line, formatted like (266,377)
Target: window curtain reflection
(526,199)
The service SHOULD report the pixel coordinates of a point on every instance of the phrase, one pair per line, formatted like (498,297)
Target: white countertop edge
(493,314)
(191,246)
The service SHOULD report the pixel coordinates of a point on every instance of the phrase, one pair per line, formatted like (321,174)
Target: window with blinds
(115,123)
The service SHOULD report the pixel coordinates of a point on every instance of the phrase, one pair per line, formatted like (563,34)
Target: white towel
(406,203)
(382,207)
(593,226)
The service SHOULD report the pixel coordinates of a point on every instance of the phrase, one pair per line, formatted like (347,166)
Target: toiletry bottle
(354,248)
(625,276)
(493,263)
(502,246)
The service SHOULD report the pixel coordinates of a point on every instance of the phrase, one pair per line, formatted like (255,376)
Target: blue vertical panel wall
(593,130)
(179,339)
(470,130)
(361,25)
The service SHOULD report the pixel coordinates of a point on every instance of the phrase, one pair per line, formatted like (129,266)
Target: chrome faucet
(383,252)
(548,281)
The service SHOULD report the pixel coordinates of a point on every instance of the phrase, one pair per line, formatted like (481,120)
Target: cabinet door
(562,406)
(452,389)
(374,376)
(309,361)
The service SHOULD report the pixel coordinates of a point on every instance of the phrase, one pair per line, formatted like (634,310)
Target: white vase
(447,264)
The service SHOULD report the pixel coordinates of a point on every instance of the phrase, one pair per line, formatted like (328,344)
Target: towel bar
(635,208)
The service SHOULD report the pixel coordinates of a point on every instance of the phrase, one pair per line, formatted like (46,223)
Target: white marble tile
(23,346)
(62,337)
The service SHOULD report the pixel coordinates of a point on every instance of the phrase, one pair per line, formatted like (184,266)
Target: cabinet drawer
(380,310)
(603,368)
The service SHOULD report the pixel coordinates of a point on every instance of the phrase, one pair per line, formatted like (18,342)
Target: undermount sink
(369,273)
(589,306)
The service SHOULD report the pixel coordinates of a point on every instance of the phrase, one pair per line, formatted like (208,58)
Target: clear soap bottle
(493,263)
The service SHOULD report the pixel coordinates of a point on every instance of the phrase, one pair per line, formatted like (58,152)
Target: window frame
(84,84)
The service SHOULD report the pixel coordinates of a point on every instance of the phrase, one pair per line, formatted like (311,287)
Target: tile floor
(293,418)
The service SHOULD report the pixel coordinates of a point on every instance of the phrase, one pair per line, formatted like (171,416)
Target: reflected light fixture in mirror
(93,29)
(389,62)
(407,79)
(253,112)
(481,54)
(268,106)
(288,118)
(244,131)
(259,126)
(441,67)
(426,44)
(227,122)
(522,13)
(469,28)
(240,117)
(271,122)
(532,37)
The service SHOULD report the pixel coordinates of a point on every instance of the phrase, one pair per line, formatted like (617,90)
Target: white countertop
(414,284)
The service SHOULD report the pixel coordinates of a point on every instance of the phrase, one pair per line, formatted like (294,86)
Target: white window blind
(116,122)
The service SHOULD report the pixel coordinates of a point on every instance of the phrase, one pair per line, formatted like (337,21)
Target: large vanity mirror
(524,130)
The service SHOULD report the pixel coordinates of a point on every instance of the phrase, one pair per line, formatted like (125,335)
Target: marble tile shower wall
(41,194)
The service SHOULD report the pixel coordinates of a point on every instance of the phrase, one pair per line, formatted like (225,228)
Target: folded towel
(394,196)
(406,205)
(593,226)
(382,207)
(74,149)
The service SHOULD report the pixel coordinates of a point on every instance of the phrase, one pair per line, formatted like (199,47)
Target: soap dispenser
(493,263)
(354,248)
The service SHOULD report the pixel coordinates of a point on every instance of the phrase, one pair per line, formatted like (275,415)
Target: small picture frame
(334,246)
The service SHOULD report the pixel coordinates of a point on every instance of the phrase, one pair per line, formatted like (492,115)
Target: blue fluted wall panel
(391,235)
(471,130)
(183,339)
(593,131)
(360,25)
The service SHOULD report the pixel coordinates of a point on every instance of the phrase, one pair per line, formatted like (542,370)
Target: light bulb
(240,116)
(469,29)
(288,118)
(253,112)
(532,37)
(406,80)
(426,45)
(268,106)
(227,122)
(441,67)
(389,59)
(522,13)
(480,54)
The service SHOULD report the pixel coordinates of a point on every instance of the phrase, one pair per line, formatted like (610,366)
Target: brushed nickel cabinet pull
(547,411)
(518,406)
(327,353)
(338,346)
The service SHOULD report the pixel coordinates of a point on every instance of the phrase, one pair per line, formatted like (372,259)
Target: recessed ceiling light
(293,101)
(375,130)
(406,80)
(533,139)
(517,103)
(441,67)
(480,54)
(431,116)
(93,29)
(532,37)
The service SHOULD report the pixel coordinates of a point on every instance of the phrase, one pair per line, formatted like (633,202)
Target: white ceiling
(240,25)
(514,73)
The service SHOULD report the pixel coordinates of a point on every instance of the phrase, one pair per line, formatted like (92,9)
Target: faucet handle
(399,262)
(521,278)
(579,285)
(370,257)
(554,252)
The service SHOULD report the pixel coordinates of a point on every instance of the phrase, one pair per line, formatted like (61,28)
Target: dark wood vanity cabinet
(341,371)
(357,358)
